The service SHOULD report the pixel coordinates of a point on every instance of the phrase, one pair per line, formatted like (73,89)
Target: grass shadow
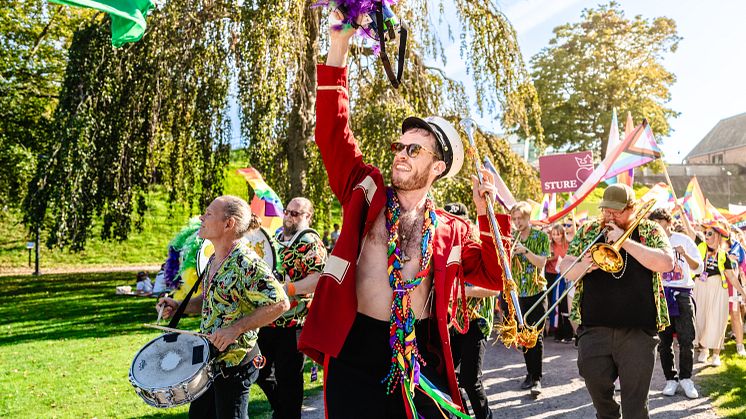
(70,306)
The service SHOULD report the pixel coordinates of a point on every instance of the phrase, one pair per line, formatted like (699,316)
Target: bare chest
(374,293)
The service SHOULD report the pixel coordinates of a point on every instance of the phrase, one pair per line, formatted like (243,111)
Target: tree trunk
(301,120)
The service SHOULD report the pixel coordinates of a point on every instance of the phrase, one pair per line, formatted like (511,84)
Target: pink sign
(564,172)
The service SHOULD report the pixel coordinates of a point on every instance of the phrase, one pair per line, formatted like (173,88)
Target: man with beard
(380,317)
(620,314)
(301,259)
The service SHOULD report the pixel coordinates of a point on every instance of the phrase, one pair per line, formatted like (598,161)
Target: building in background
(725,144)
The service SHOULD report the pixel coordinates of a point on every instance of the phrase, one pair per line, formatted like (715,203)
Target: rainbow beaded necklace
(405,358)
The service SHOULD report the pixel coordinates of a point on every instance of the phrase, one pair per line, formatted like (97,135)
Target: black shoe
(536,388)
(527,383)
(566,340)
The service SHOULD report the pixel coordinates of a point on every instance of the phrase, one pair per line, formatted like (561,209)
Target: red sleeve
(339,151)
(480,261)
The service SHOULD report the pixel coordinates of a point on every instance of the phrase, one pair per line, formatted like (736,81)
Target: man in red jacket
(379,321)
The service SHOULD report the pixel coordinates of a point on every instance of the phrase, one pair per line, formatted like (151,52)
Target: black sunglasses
(413,150)
(293,213)
(710,233)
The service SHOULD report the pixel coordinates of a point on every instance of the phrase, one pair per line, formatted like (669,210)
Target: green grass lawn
(66,345)
(726,385)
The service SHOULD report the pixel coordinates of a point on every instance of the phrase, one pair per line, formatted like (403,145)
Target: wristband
(291,289)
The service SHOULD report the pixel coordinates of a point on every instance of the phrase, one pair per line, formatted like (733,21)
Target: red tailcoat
(362,192)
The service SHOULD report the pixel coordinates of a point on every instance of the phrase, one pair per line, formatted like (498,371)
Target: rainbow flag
(547,207)
(661,194)
(265,203)
(694,201)
(713,213)
(641,151)
(602,172)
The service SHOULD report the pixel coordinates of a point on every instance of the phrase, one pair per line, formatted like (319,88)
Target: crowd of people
(398,302)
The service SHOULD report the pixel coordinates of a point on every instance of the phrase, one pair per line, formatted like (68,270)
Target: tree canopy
(155,112)
(34,38)
(604,61)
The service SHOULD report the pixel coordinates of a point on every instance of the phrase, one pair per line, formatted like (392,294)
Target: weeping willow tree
(155,112)
(152,112)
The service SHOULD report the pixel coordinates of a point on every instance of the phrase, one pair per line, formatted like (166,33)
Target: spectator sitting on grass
(144,286)
(160,286)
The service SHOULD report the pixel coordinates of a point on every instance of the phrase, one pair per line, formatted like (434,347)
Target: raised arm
(339,151)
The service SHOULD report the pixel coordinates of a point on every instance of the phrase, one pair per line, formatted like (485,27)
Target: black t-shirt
(711,261)
(624,302)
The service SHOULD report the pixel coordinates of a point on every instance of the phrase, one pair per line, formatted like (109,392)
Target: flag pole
(668,179)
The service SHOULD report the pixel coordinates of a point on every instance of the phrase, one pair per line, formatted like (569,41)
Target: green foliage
(68,343)
(602,62)
(34,36)
(151,112)
(154,112)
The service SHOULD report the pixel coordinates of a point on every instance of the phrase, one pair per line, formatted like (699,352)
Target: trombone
(509,333)
(605,256)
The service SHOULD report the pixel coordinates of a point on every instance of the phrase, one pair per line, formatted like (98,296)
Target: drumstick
(160,314)
(170,329)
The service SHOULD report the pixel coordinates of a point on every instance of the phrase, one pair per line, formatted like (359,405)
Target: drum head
(259,241)
(203,256)
(161,364)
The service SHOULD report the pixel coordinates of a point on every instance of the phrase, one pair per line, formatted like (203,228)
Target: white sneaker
(670,388)
(703,354)
(688,385)
(617,386)
(716,361)
(740,350)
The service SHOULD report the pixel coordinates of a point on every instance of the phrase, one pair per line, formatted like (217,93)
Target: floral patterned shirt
(651,235)
(296,261)
(530,279)
(482,310)
(241,285)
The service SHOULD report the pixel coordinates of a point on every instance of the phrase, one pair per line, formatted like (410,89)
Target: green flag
(127,16)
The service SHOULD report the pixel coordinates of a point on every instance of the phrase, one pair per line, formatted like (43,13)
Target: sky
(710,63)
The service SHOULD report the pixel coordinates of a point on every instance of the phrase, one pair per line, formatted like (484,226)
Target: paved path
(564,394)
(81,269)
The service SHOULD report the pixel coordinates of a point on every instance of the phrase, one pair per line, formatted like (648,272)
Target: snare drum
(169,374)
(258,240)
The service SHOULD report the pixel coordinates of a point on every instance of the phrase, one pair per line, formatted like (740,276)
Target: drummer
(234,274)
(302,256)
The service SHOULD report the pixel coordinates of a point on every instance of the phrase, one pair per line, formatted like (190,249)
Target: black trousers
(356,380)
(683,326)
(533,356)
(281,379)
(228,396)
(605,353)
(468,355)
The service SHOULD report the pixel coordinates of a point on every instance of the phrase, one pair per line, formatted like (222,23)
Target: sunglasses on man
(293,213)
(413,150)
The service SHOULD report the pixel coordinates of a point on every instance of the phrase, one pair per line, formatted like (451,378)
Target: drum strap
(180,311)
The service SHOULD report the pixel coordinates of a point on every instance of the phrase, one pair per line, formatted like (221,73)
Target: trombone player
(619,312)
